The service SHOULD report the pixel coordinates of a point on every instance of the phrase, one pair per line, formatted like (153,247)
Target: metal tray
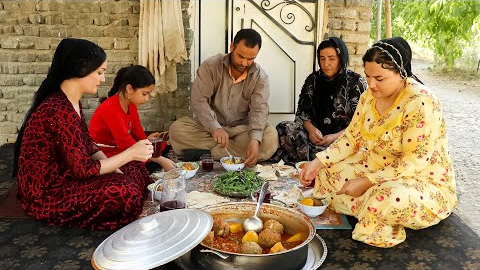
(317,253)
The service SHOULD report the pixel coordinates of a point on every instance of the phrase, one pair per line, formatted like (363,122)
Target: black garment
(328,103)
(329,117)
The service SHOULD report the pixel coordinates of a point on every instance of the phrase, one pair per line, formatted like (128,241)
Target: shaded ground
(460,98)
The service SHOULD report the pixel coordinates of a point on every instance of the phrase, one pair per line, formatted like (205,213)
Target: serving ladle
(253,223)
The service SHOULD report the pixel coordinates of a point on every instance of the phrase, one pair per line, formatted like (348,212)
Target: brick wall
(351,21)
(30,32)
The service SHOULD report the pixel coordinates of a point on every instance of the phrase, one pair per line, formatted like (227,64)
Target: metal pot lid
(153,240)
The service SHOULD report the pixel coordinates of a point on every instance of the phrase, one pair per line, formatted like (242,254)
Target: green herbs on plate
(237,183)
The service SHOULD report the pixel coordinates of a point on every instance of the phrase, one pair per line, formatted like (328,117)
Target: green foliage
(445,27)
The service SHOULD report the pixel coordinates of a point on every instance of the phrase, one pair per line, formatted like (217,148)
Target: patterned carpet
(30,244)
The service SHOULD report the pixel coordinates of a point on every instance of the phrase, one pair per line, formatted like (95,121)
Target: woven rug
(30,244)
(9,207)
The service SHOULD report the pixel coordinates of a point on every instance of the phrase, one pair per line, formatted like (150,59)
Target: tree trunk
(379,20)
(388,19)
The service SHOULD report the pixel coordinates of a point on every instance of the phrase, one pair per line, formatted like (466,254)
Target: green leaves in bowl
(237,183)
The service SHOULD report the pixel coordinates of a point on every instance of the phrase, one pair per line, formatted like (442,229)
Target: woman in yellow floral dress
(390,168)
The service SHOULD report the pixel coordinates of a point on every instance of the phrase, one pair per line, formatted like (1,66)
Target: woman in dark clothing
(327,102)
(63,178)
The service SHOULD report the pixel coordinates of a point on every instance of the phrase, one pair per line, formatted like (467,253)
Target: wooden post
(388,19)
(379,20)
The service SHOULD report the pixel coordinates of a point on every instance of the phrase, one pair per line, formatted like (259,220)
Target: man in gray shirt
(230,104)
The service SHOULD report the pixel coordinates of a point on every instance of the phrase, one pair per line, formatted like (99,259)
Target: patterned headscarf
(400,52)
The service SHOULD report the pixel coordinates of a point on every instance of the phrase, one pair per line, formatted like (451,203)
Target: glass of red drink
(207,162)
(157,147)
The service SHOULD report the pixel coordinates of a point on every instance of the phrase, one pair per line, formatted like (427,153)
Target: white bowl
(312,211)
(190,173)
(232,167)
(299,164)
(158,193)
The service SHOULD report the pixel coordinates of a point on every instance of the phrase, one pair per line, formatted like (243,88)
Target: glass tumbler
(157,147)
(207,162)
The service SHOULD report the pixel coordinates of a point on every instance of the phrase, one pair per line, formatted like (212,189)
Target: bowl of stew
(236,165)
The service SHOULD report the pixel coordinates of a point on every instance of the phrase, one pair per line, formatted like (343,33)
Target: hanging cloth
(161,42)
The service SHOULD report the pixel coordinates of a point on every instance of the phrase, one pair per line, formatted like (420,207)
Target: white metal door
(289,35)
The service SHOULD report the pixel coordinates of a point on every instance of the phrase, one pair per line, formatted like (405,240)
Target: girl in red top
(115,124)
(63,178)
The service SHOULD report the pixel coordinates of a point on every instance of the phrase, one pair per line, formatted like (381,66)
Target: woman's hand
(315,135)
(166,163)
(141,151)
(310,171)
(327,140)
(355,187)
(330,138)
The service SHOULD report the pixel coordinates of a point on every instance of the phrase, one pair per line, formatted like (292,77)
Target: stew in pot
(229,236)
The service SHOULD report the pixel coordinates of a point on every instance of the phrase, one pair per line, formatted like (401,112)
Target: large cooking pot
(293,222)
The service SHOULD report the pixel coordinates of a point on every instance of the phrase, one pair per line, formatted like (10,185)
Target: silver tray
(317,253)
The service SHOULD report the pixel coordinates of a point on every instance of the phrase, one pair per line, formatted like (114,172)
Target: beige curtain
(161,41)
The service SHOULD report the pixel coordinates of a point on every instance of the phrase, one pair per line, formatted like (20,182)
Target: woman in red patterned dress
(63,178)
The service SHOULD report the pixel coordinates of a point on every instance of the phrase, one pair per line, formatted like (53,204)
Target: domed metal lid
(153,240)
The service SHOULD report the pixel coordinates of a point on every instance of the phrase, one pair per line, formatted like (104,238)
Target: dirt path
(461,104)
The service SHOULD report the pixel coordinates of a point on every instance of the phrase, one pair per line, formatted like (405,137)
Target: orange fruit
(307,201)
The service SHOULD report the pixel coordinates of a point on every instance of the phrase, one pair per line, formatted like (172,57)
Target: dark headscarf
(399,51)
(325,86)
(73,58)
(341,49)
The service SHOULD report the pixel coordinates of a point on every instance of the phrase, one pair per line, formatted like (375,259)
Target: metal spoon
(253,223)
(231,156)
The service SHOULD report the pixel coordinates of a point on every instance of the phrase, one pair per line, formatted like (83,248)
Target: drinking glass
(157,147)
(207,162)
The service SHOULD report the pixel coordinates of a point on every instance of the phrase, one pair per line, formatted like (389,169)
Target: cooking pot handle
(221,255)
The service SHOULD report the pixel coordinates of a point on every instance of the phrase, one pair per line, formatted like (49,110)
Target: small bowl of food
(232,165)
(300,165)
(311,206)
(158,187)
(190,167)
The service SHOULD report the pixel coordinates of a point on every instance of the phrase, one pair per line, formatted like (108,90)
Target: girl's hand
(166,163)
(153,135)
